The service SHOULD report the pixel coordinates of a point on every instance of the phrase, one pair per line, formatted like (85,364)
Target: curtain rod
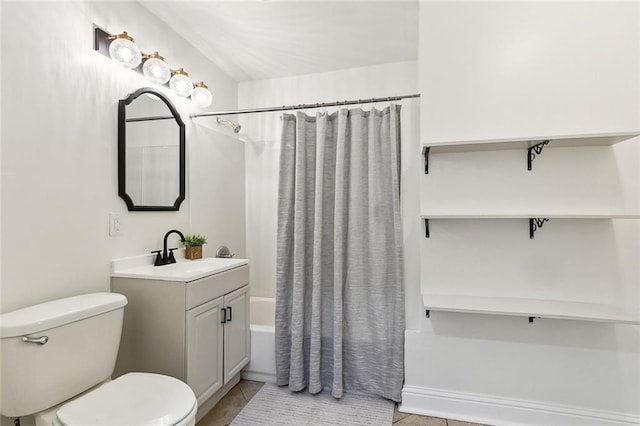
(305,106)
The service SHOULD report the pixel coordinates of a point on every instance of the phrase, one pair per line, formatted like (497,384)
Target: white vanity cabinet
(196,331)
(222,323)
(237,338)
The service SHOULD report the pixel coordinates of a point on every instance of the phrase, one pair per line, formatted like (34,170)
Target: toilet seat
(133,399)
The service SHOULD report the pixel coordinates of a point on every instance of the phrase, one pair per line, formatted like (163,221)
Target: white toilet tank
(82,339)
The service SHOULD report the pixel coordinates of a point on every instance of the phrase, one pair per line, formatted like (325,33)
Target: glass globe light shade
(156,69)
(124,51)
(201,95)
(181,84)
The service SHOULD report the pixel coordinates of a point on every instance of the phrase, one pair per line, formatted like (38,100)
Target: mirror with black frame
(151,152)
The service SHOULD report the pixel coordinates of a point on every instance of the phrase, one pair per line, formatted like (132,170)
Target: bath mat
(274,405)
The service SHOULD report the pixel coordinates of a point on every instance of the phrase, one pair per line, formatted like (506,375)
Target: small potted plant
(193,246)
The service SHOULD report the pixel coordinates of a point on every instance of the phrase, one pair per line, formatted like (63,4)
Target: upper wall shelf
(534,146)
(531,308)
(527,215)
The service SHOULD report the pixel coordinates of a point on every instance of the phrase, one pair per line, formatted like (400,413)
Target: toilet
(57,359)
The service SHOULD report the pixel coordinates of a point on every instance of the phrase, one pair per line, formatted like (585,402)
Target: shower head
(236,127)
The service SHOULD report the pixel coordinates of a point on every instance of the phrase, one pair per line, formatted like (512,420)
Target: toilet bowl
(132,399)
(57,358)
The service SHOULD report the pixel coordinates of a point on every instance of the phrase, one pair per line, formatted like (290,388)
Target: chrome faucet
(166,257)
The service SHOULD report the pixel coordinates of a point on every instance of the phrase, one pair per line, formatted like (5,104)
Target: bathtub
(262,367)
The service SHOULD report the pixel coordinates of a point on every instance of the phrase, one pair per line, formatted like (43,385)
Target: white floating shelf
(536,219)
(525,143)
(532,308)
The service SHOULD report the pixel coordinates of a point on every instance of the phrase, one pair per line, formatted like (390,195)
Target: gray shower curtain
(340,297)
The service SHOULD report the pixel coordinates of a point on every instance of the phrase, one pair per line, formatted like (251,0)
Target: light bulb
(201,95)
(180,83)
(156,69)
(124,51)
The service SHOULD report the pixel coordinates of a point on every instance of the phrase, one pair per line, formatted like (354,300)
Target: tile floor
(228,408)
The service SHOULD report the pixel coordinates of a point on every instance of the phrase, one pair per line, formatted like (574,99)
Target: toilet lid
(132,399)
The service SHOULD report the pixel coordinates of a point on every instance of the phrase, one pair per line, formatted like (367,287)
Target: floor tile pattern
(228,408)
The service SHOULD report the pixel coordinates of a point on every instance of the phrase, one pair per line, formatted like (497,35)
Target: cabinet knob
(224,316)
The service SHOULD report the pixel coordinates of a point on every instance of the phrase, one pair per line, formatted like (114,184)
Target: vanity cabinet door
(204,348)
(237,343)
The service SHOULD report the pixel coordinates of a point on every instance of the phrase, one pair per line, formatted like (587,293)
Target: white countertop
(142,267)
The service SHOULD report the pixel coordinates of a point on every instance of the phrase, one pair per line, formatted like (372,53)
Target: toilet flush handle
(39,340)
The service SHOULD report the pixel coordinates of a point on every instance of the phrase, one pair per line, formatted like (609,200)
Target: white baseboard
(492,410)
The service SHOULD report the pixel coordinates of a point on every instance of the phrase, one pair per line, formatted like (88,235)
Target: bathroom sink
(182,270)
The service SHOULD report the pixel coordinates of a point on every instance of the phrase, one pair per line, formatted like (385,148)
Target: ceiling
(254,40)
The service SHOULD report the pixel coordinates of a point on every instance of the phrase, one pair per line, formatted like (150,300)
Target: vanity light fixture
(201,95)
(180,83)
(156,69)
(122,49)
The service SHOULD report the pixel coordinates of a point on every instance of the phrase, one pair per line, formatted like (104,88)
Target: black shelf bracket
(532,318)
(535,150)
(426,312)
(534,224)
(426,228)
(425,152)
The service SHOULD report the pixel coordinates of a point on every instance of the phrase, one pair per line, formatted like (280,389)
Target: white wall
(217,189)
(502,69)
(262,141)
(491,70)
(59,150)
